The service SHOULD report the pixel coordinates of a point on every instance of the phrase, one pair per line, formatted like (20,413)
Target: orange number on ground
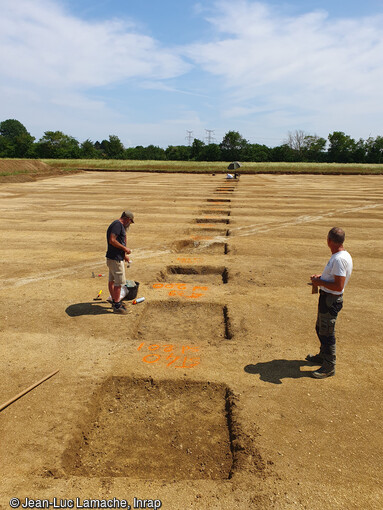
(146,359)
(173,361)
(192,362)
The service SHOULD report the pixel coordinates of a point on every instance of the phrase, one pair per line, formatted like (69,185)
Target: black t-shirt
(118,229)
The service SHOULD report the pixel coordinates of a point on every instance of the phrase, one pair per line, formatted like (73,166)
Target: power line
(189,137)
(209,136)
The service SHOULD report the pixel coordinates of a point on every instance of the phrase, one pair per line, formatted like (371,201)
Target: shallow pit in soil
(196,273)
(188,246)
(165,430)
(186,323)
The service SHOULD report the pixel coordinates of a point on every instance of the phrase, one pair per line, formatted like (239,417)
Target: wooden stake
(3,406)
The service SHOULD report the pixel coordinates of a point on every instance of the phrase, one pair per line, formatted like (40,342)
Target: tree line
(17,142)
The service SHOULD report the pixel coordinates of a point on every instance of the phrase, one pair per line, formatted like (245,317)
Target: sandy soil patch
(26,170)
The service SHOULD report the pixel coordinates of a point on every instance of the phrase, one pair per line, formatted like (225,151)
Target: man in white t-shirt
(331,283)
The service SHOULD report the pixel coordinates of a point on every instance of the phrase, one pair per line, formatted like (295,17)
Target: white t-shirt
(340,264)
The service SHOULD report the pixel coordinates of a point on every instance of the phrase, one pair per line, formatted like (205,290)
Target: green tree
(341,148)
(284,153)
(256,152)
(57,145)
(233,146)
(210,152)
(360,151)
(145,153)
(374,150)
(306,147)
(89,151)
(196,148)
(15,142)
(7,149)
(154,152)
(113,148)
(313,148)
(137,152)
(178,153)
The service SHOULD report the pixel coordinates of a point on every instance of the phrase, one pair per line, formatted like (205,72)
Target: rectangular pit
(208,232)
(212,220)
(188,246)
(186,323)
(167,430)
(200,274)
(224,212)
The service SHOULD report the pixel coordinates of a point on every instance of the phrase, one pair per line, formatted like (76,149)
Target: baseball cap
(128,214)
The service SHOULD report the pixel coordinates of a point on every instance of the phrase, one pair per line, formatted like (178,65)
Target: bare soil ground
(200,397)
(27,170)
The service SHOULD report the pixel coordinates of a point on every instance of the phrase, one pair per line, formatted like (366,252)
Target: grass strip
(216,167)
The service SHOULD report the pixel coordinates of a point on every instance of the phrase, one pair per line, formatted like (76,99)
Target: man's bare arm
(113,241)
(337,285)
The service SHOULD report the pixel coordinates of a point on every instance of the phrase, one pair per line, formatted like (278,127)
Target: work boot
(317,359)
(328,367)
(119,308)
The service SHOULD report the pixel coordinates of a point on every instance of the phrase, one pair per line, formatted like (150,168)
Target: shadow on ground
(277,369)
(87,309)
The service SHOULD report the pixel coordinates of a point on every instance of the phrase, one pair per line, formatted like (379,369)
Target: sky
(162,72)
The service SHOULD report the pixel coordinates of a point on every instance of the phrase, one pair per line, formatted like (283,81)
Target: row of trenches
(209,236)
(218,211)
(169,430)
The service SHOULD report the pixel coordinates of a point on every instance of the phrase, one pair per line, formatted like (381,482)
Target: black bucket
(132,288)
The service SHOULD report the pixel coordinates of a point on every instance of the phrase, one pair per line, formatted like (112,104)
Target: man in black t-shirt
(116,254)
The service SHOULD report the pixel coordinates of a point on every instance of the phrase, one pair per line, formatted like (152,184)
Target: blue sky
(149,71)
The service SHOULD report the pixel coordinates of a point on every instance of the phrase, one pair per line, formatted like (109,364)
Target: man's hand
(316,279)
(337,285)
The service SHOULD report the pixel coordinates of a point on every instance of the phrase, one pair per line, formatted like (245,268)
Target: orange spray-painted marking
(182,290)
(201,238)
(166,356)
(189,260)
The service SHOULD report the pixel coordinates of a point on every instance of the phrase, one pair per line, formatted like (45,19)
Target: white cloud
(269,60)
(158,85)
(50,60)
(43,45)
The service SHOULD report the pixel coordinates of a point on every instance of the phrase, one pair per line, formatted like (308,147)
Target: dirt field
(26,170)
(200,397)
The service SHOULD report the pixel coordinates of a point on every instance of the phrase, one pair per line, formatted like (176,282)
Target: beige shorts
(116,272)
